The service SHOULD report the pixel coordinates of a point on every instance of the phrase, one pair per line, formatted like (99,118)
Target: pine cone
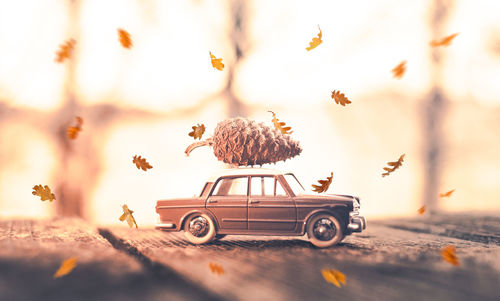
(239,141)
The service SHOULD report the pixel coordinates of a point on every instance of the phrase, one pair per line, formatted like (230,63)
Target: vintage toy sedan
(257,201)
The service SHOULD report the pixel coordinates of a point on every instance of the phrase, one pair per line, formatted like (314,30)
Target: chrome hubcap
(199,226)
(324,229)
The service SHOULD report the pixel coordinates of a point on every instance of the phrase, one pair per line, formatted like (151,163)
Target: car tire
(324,230)
(219,236)
(199,228)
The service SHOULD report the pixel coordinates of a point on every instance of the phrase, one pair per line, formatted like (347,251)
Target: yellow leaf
(124,38)
(216,269)
(333,276)
(421,210)
(340,98)
(43,192)
(448,255)
(315,41)
(280,126)
(141,163)
(216,63)
(73,131)
(399,70)
(446,194)
(127,215)
(446,41)
(395,165)
(198,131)
(324,184)
(65,50)
(66,267)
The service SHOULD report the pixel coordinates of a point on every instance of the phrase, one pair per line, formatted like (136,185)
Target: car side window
(266,186)
(231,186)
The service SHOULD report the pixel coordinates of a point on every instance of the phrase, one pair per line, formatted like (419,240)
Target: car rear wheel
(199,228)
(324,230)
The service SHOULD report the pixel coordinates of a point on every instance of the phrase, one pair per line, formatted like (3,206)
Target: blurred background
(444,114)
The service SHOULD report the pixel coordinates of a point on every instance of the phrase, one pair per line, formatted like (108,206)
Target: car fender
(328,210)
(204,211)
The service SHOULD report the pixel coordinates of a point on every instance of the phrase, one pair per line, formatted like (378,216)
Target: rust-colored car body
(252,212)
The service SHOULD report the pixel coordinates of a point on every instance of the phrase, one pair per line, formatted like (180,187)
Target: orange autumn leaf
(216,63)
(198,131)
(340,98)
(315,41)
(446,41)
(216,269)
(124,38)
(399,70)
(127,215)
(73,131)
(333,276)
(141,163)
(280,125)
(43,192)
(65,50)
(66,267)
(421,210)
(395,165)
(324,184)
(448,255)
(446,194)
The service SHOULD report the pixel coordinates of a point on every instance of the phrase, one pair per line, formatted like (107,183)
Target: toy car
(257,201)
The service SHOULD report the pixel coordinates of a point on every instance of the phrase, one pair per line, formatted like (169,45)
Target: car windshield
(297,188)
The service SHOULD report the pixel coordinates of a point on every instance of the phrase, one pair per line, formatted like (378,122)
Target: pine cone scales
(239,141)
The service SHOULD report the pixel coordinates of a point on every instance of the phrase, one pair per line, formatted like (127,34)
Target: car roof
(245,171)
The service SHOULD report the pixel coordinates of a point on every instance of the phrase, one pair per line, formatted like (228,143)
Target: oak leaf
(66,267)
(446,41)
(448,255)
(216,269)
(446,194)
(43,192)
(141,163)
(216,63)
(65,50)
(315,41)
(127,215)
(421,210)
(280,125)
(73,131)
(395,165)
(333,276)
(340,98)
(399,70)
(124,38)
(198,131)
(324,184)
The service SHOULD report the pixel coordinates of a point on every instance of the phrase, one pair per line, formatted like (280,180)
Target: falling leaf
(446,194)
(65,50)
(324,184)
(125,39)
(43,192)
(127,215)
(216,63)
(333,276)
(421,210)
(340,98)
(216,269)
(73,131)
(448,255)
(315,41)
(399,70)
(141,163)
(198,131)
(280,126)
(395,165)
(66,267)
(446,41)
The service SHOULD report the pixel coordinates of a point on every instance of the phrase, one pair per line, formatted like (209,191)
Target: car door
(228,201)
(269,206)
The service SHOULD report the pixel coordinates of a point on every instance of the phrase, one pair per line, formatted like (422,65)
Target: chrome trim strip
(184,206)
(272,220)
(168,226)
(234,220)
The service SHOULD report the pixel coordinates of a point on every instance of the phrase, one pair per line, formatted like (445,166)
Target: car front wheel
(324,230)
(199,228)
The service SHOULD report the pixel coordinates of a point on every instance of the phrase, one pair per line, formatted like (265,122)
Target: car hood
(325,198)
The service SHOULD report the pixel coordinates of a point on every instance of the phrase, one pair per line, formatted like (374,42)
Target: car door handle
(212,201)
(254,202)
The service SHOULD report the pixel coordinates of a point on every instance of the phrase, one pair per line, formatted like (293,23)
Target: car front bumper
(357,223)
